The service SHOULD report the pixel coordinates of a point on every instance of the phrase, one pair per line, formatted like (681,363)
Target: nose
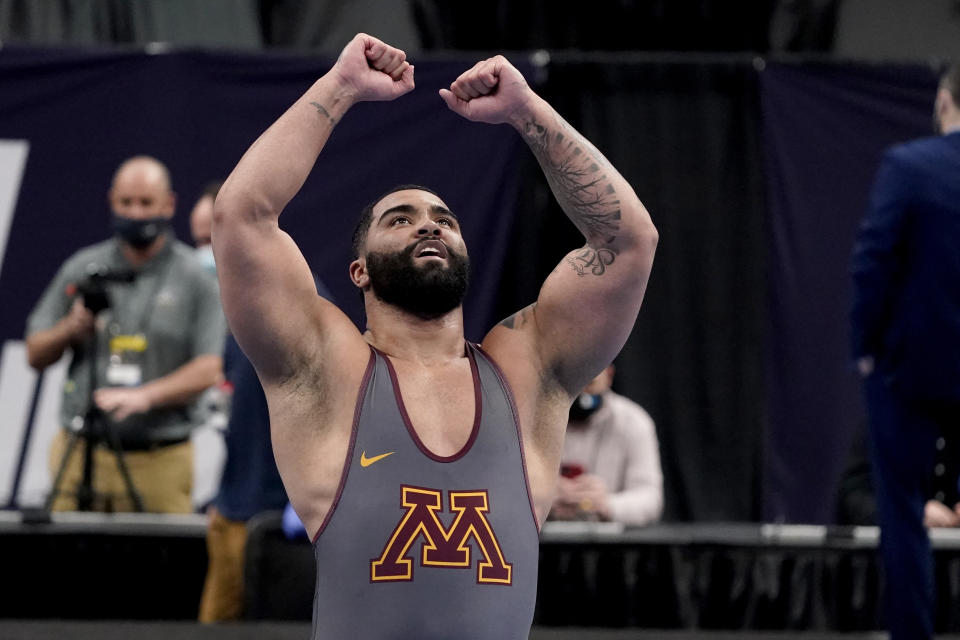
(429,227)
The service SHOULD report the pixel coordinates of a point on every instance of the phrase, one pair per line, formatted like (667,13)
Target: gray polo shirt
(173,303)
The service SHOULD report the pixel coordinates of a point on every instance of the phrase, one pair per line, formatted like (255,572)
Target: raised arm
(588,305)
(267,290)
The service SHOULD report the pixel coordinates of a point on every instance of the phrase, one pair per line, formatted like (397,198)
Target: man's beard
(428,290)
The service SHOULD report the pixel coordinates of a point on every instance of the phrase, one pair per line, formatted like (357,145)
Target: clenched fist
(492,91)
(373,70)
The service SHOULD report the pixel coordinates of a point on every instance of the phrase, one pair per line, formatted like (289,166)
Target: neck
(405,336)
(139,257)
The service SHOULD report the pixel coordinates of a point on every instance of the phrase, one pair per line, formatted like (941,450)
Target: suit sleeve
(878,256)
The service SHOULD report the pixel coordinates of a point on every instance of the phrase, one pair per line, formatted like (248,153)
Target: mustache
(411,249)
(413,246)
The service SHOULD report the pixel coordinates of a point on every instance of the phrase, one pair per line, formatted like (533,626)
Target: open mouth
(430,248)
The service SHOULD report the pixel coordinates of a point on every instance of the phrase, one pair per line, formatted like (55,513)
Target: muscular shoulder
(542,402)
(514,343)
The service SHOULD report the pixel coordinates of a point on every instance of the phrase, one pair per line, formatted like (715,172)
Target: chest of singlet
(421,546)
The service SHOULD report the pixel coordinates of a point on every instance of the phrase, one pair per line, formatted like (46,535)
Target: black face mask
(139,233)
(585,406)
(427,291)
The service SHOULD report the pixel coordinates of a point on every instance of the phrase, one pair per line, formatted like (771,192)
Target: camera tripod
(93,427)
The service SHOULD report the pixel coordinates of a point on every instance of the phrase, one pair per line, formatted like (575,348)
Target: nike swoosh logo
(366,462)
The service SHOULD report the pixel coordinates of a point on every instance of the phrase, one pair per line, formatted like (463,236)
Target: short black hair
(366,216)
(950,80)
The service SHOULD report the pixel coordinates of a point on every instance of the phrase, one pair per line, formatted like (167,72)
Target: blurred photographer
(140,305)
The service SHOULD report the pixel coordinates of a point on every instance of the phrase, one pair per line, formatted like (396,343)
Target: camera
(93,288)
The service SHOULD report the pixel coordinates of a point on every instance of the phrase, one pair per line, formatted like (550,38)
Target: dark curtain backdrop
(685,136)
(326,25)
(825,128)
(739,353)
(83,112)
(600,25)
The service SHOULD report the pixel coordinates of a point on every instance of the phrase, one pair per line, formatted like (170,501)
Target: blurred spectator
(201,224)
(610,468)
(153,315)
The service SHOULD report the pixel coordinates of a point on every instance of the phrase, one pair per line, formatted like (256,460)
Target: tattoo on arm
(322,111)
(575,170)
(590,260)
(520,318)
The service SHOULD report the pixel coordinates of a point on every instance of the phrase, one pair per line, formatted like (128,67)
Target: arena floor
(117,630)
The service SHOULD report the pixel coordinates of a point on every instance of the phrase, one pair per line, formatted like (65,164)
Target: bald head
(141,189)
(145,167)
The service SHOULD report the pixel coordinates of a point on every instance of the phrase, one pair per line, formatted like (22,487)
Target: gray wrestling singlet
(421,547)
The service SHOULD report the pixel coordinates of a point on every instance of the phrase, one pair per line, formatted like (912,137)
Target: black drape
(599,25)
(685,135)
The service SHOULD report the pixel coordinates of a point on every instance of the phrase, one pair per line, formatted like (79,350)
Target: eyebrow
(435,209)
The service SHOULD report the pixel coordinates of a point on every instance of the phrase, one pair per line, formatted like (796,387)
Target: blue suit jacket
(906,270)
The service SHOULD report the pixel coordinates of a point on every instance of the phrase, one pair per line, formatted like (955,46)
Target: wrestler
(420,464)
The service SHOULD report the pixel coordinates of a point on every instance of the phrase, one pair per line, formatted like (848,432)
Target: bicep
(269,297)
(586,310)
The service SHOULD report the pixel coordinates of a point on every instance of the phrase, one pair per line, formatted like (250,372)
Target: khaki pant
(222,597)
(163,477)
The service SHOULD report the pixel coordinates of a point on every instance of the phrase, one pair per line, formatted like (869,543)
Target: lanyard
(147,313)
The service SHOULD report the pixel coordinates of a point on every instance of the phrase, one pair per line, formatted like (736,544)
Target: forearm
(593,194)
(275,167)
(45,347)
(185,383)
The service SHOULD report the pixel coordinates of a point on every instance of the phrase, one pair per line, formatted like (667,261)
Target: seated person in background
(610,468)
(857,500)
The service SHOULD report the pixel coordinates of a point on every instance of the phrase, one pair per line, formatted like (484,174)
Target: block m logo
(441,547)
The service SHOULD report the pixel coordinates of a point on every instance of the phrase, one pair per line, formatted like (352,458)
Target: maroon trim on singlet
(364,383)
(516,420)
(477,411)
